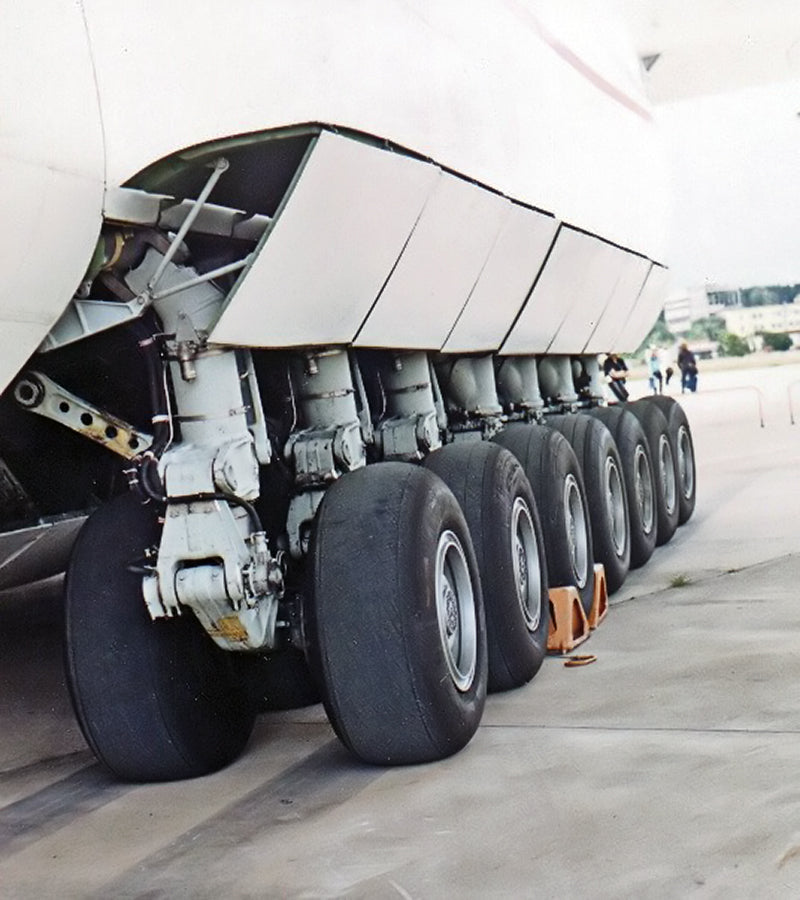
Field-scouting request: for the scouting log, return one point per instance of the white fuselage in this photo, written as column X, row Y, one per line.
column 539, row 101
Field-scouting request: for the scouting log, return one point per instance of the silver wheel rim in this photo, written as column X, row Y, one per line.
column 455, row 610
column 576, row 532
column 615, row 503
column 666, row 471
column 643, row 483
column 685, row 462
column 526, row 564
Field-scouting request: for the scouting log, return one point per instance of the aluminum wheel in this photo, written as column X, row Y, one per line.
column 685, row 461
column 615, row 500
column 666, row 472
column 576, row 532
column 527, row 568
column 643, row 479
column 455, row 610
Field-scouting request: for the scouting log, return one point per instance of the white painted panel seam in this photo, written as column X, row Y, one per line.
column 438, row 268
column 478, row 277
column 331, row 249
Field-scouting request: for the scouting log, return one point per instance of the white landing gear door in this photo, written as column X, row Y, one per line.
column 331, row 248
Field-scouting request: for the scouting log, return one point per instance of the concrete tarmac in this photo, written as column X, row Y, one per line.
column 666, row 769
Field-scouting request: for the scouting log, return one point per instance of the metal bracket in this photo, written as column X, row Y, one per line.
column 410, row 438
column 232, row 584
column 83, row 318
column 251, row 395
column 321, row 455
column 40, row 394
column 302, row 510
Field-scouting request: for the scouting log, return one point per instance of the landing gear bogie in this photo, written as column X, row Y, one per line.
column 605, row 490
column 664, row 455
column 638, row 472
column 684, row 446
column 156, row 701
column 555, row 475
column 499, row 506
column 396, row 622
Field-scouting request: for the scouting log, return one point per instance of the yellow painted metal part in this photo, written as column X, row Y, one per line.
column 231, row 629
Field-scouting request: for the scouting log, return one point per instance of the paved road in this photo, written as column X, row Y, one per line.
column 667, row 769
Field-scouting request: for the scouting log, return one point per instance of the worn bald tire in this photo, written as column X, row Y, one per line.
column 557, row 481
column 605, row 492
column 156, row 701
column 498, row 503
column 682, row 435
column 280, row 680
column 664, row 455
column 637, row 471
column 396, row 621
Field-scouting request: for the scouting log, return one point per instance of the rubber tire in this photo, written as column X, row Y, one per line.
column 549, row 461
column 281, row 681
column 638, row 472
column 488, row 482
column 373, row 624
column 155, row 700
column 596, row 451
column 687, row 469
column 665, row 466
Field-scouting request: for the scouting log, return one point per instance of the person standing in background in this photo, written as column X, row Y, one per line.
column 688, row 366
column 655, row 378
column 616, row 372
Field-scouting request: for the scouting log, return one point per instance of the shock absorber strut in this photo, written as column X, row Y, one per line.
column 213, row 555
column 329, row 441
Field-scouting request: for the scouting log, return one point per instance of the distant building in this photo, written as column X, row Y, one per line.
column 681, row 310
column 723, row 298
column 748, row 322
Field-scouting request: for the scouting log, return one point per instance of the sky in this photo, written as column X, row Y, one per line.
column 735, row 166
column 726, row 91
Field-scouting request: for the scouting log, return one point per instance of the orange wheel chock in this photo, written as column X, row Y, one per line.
column 599, row 609
column 568, row 623
column 580, row 659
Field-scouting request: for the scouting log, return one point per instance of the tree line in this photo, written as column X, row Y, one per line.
column 767, row 296
column 712, row 328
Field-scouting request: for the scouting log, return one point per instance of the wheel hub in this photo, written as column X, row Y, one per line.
column 667, row 474
column 525, row 559
column 455, row 610
column 576, row 532
column 451, row 608
column 644, row 490
column 685, row 462
column 615, row 504
column 522, row 564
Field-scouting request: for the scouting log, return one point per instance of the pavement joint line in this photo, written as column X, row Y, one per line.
column 655, row 729
column 739, row 570
column 48, row 762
